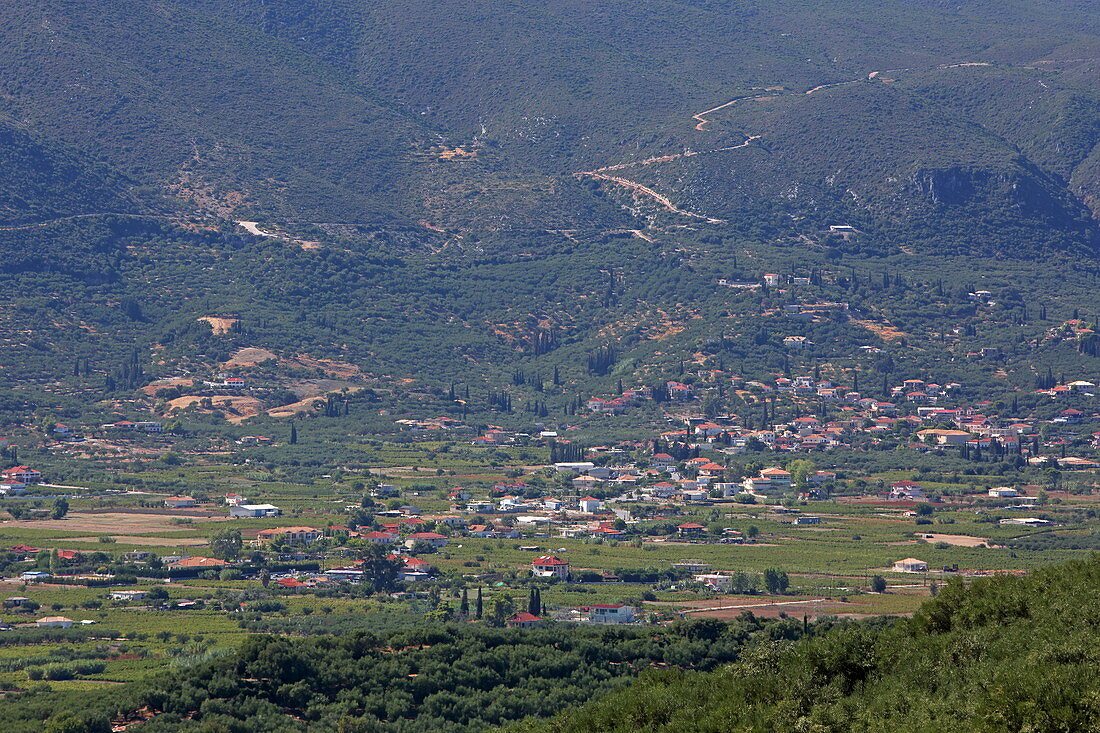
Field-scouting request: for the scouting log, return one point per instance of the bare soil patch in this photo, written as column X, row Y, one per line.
column 249, row 356
column 458, row 153
column 141, row 540
column 151, row 389
column 884, row 331
column 731, row 607
column 237, row 408
column 331, row 368
column 311, row 391
column 220, row 325
column 959, row 540
column 108, row 523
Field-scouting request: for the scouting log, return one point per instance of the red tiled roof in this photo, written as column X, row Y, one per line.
column 525, row 617
column 199, row 562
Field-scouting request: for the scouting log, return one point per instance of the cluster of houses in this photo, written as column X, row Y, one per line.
column 1079, row 386
column 912, row 406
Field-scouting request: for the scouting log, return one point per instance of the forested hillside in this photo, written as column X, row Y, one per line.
column 477, row 119
column 1006, row 654
column 437, row 678
column 41, row 182
column 457, row 193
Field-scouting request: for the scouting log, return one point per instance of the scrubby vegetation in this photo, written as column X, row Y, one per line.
column 1007, row 653
column 433, row 679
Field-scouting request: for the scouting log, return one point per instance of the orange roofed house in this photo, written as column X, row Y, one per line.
column 179, row 502
column 524, row 620
column 197, row 563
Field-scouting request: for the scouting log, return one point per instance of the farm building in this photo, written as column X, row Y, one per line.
column 911, row 565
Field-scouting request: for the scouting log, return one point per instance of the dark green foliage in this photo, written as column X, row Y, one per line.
column 1007, row 653
column 461, row 678
column 226, row 544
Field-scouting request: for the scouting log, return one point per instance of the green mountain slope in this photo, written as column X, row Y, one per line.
column 234, row 121
column 475, row 118
column 41, row 181
column 881, row 157
column 471, row 178
column 1006, row 654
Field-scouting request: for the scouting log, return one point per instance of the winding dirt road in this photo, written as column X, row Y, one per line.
column 702, row 120
column 647, row 191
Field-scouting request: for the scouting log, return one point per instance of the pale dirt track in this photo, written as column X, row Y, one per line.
column 110, row 523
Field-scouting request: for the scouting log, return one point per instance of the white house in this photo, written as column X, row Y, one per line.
column 797, row 342
column 695, row 495
column 589, row 505
column 575, row 467
column 603, row 613
column 586, row 483
column 906, row 491
column 728, row 490
column 54, row 622
column 346, row 575
column 911, row 565
column 769, row 478
column 431, row 538
column 1004, row 492
column 662, row 461
column 128, row 595
column 412, row 576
